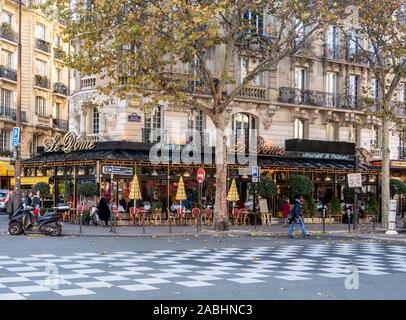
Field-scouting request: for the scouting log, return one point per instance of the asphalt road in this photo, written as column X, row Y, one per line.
column 181, row 268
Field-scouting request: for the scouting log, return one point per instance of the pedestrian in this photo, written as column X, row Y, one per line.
column 36, row 203
column 286, row 207
column 295, row 217
column 9, row 203
column 28, row 200
column 104, row 211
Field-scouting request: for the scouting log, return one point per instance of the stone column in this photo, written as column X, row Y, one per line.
column 82, row 128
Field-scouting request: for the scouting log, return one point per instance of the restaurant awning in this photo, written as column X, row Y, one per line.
column 31, row 180
column 6, row 169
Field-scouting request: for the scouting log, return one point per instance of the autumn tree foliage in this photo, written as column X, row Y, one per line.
column 156, row 49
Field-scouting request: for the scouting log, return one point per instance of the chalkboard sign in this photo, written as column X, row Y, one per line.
column 134, row 117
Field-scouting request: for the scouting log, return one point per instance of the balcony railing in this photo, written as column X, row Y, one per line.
column 255, row 93
column 344, row 53
column 153, row 135
column 60, row 124
column 42, row 45
column 376, row 153
column 58, row 53
column 41, row 81
column 10, row 113
column 318, row 98
column 402, row 153
column 8, row 34
column 60, row 88
column 8, row 73
column 87, row 83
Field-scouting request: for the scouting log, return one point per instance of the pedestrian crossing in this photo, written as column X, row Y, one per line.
column 81, row 274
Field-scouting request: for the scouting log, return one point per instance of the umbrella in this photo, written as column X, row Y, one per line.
column 181, row 193
column 233, row 194
column 135, row 189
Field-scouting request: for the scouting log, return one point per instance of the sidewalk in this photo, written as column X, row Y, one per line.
column 366, row 231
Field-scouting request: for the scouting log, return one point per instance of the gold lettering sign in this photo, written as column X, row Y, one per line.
column 262, row 148
column 70, row 142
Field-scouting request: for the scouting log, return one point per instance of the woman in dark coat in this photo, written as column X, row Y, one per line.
column 103, row 211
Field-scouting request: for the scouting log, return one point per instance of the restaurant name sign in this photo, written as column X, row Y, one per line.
column 240, row 146
column 70, row 142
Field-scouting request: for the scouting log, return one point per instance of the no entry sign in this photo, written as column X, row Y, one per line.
column 201, row 175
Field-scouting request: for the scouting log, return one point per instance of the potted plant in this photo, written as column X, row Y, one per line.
column 87, row 190
column 335, row 208
column 309, row 207
column 6, row 27
column 85, row 216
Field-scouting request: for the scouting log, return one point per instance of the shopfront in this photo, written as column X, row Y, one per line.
column 67, row 169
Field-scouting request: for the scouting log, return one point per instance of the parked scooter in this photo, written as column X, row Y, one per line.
column 48, row 223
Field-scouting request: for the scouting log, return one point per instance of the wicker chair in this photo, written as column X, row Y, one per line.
column 236, row 216
column 195, row 216
column 208, row 216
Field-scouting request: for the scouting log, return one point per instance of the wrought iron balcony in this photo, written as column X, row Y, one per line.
column 42, row 45
column 8, row 34
column 10, row 113
column 318, row 98
column 58, row 53
column 41, row 81
column 345, row 53
column 60, row 88
column 60, row 124
column 8, row 73
column 150, row 135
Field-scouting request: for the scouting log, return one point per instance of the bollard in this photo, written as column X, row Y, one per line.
column 80, row 223
column 349, row 220
column 114, row 224
column 143, row 222
column 111, row 221
column 255, row 220
column 324, row 219
column 170, row 222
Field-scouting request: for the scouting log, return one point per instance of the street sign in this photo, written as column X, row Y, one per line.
column 354, row 180
column 200, row 175
column 16, row 136
column 255, row 173
column 124, row 171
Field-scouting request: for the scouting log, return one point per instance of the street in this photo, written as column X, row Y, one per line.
column 200, row 267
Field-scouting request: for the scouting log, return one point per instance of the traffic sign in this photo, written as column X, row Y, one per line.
column 200, row 175
column 354, row 180
column 16, row 136
column 255, row 173
column 124, row 171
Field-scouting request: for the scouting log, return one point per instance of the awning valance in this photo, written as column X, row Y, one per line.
column 6, row 169
column 31, row 180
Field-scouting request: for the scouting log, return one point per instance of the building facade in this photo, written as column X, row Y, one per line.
column 44, row 81
column 310, row 103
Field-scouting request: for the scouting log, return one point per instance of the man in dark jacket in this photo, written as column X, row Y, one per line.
column 296, row 218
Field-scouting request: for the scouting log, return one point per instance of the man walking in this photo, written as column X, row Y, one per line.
column 295, row 217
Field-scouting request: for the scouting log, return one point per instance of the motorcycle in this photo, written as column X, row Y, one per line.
column 48, row 223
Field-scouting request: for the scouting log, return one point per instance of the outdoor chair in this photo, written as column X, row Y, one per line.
column 133, row 214
column 208, row 216
column 236, row 216
column 244, row 216
column 181, row 215
column 120, row 216
column 157, row 215
column 195, row 216
column 170, row 218
column 141, row 212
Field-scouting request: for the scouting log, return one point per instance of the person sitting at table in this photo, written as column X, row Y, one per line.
column 122, row 203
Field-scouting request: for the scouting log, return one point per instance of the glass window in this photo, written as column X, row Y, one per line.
column 300, row 78
column 7, row 59
column 40, row 106
column 195, row 123
column 41, row 67
column 5, row 140
column 255, row 21
column 40, row 32
column 7, row 17
column 34, row 145
column 374, row 88
column 6, row 98
column 96, row 119
column 247, row 65
column 153, row 124
column 58, row 75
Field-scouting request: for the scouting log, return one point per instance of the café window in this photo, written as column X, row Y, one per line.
column 245, row 128
column 96, row 121
column 40, row 106
column 301, row 129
